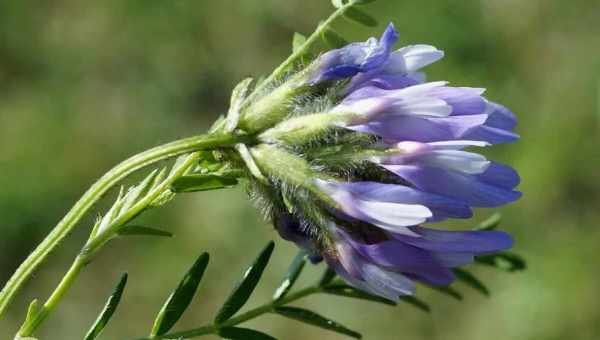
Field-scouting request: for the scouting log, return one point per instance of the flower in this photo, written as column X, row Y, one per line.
column 354, row 181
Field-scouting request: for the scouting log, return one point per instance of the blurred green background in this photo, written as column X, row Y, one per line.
column 85, row 84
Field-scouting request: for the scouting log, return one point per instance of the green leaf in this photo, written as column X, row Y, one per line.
column 32, row 311
column 360, row 17
column 291, row 276
column 347, row 291
column 415, row 302
column 138, row 230
column 108, row 311
column 328, row 276
column 297, row 41
column 509, row 262
column 237, row 98
column 490, row 223
column 245, row 287
column 238, row 333
column 471, row 281
column 337, row 3
column 202, row 182
column 315, row 319
column 448, row 291
column 333, row 39
column 181, row 297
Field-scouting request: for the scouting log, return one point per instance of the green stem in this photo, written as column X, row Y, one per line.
column 251, row 314
column 298, row 53
column 122, row 170
column 95, row 243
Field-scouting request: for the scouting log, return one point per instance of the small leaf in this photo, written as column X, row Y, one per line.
column 202, row 182
column 490, row 223
column 509, row 262
column 327, row 277
column 333, row 39
column 245, row 287
column 337, row 3
column 298, row 41
column 347, row 291
column 471, row 281
column 315, row 319
column 108, row 311
column 448, row 291
column 237, row 98
column 238, row 333
column 138, row 230
column 360, row 17
column 181, row 297
column 32, row 311
column 415, row 302
column 291, row 276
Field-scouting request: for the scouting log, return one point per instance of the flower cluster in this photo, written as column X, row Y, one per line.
column 352, row 179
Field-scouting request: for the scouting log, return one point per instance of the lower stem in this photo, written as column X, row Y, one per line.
column 96, row 191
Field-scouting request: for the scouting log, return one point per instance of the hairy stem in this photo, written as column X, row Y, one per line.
column 251, row 314
column 122, row 170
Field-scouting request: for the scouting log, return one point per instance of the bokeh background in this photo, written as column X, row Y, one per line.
column 85, row 84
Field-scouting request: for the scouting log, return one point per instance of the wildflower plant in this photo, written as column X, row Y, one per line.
column 349, row 151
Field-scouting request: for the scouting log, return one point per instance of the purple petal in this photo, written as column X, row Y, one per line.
column 500, row 117
column 441, row 207
column 474, row 242
column 421, row 129
column 407, row 259
column 456, row 185
column 491, row 135
column 464, row 100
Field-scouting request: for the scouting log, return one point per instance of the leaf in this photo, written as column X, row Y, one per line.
column 238, row 333
column 347, row 291
column 312, row 318
column 245, row 287
column 337, row 3
column 138, row 230
column 181, row 297
column 333, row 39
column 415, row 302
column 32, row 311
column 237, row 98
column 297, row 41
column 471, row 281
column 327, row 277
column 360, row 17
column 108, row 311
column 490, row 223
column 448, row 291
column 291, row 276
column 509, row 262
column 202, row 182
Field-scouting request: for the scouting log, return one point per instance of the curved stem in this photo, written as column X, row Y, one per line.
column 96, row 242
column 95, row 192
column 251, row 314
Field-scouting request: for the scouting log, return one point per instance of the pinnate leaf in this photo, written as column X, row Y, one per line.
column 109, row 309
column 245, row 287
column 181, row 297
column 312, row 318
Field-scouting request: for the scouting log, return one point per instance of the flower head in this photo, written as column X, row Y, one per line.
column 353, row 176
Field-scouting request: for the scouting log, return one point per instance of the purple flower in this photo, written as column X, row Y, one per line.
column 365, row 217
column 373, row 63
column 443, row 168
column 388, row 265
column 428, row 112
